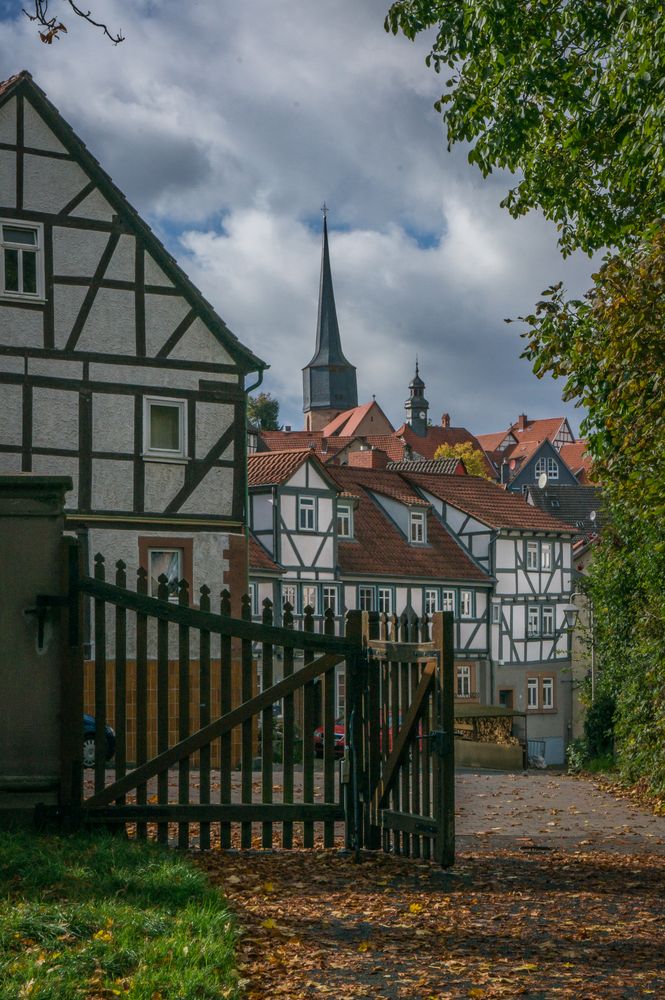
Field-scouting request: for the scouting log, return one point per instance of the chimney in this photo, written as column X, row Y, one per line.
column 445, row 421
column 368, row 458
column 287, row 428
column 521, row 422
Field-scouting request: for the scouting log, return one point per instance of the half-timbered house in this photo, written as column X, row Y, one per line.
column 113, row 367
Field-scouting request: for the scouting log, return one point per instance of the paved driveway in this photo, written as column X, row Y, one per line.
column 551, row 809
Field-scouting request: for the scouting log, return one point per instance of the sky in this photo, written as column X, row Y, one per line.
column 227, row 125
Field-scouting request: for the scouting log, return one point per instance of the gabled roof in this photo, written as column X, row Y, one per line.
column 22, row 83
column 578, row 460
column 346, row 424
column 572, row 504
column 491, row 442
column 323, row 448
column 547, row 427
column 435, row 467
column 489, row 503
column 270, row 468
column 380, row 549
column 260, row 560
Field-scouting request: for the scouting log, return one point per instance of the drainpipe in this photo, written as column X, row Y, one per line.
column 248, row 389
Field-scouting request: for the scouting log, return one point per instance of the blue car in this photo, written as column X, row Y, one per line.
column 89, row 730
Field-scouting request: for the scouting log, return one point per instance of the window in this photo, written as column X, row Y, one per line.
column 289, row 596
column 533, row 620
column 540, row 693
column 532, row 692
column 164, row 428
column 506, row 697
column 431, row 601
column 366, row 598
column 532, row 555
column 417, row 526
column 448, row 600
column 306, row 513
column 309, row 598
column 21, row 262
column 548, row 692
column 496, row 614
column 344, row 522
column 464, row 682
column 171, row 557
column 548, row 465
column 341, row 693
column 466, row 603
column 548, row 621
column 330, row 599
column 254, row 598
column 385, row 600
column 546, row 555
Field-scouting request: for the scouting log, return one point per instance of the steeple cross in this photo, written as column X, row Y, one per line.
column 325, row 210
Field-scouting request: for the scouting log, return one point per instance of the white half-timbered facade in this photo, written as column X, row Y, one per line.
column 113, row 367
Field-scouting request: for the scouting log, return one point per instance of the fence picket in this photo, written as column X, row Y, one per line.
column 183, row 711
column 329, row 745
column 100, row 681
column 204, row 717
column 162, row 704
column 141, row 696
column 267, row 727
column 307, row 732
column 289, row 733
column 247, row 726
column 120, row 708
column 226, row 741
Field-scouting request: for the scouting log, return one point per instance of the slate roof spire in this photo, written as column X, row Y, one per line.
column 329, row 380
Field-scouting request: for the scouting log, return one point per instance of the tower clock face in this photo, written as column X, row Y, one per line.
column 421, row 414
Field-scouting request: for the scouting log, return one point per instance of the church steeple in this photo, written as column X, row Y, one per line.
column 416, row 405
column 329, row 380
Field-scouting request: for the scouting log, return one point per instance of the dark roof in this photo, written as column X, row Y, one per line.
column 436, row 467
column 487, row 501
column 260, row 560
column 572, row 504
column 23, row 83
column 380, row 549
column 329, row 380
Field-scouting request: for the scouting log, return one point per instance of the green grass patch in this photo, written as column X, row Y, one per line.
column 100, row 917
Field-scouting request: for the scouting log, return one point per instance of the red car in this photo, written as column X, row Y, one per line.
column 339, row 739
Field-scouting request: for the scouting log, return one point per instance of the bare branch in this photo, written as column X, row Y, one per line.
column 54, row 28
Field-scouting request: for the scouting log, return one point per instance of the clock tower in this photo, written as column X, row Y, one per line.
column 417, row 406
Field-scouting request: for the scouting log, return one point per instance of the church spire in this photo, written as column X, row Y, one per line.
column 416, row 405
column 329, row 380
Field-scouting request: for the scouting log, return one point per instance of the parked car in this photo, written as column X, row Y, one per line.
column 89, row 732
column 339, row 739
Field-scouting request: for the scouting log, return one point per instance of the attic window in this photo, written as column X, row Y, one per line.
column 21, row 262
column 417, row 527
column 164, row 429
column 555, row 504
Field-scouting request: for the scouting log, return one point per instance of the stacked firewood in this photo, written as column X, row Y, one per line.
column 487, row 730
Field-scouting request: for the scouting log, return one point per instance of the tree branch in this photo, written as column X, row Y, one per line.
column 54, row 28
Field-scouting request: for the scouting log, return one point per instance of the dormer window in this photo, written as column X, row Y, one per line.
column 548, row 465
column 344, row 521
column 21, row 262
column 417, row 527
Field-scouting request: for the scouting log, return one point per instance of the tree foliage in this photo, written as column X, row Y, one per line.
column 263, row 412
column 565, row 93
column 473, row 459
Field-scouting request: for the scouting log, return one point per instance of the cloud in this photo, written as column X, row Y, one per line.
column 228, row 124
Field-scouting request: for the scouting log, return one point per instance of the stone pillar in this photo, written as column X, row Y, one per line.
column 31, row 562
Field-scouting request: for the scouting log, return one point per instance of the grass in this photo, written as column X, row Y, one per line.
column 97, row 917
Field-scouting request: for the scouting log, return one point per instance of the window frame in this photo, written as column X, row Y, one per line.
column 532, row 548
column 345, row 512
column 472, row 602
column 547, row 684
column 159, row 543
column 463, row 673
column 294, row 603
column 179, row 455
column 437, row 600
column 496, row 614
column 532, row 685
column 389, row 591
column 417, row 526
column 314, row 589
column 334, row 592
column 368, row 590
column 39, row 295
column 544, row 687
column 445, row 594
column 306, row 505
column 532, row 627
column 254, row 598
column 546, row 563
column 547, row 612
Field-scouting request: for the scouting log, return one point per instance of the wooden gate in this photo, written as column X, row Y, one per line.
column 405, row 732
column 199, row 757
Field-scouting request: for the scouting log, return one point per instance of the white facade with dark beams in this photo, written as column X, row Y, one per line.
column 113, row 367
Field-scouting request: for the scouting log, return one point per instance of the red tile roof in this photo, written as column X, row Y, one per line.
column 437, row 436
column 269, row 468
column 6, row 85
column 578, row 461
column 491, row 504
column 491, row 442
column 537, row 429
column 260, row 559
column 324, row 448
column 380, row 549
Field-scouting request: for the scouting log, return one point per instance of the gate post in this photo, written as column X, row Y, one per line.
column 443, row 635
column 354, row 735
column 31, row 643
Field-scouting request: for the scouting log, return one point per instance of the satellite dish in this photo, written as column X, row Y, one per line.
column 592, row 516
column 542, row 480
column 513, row 463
